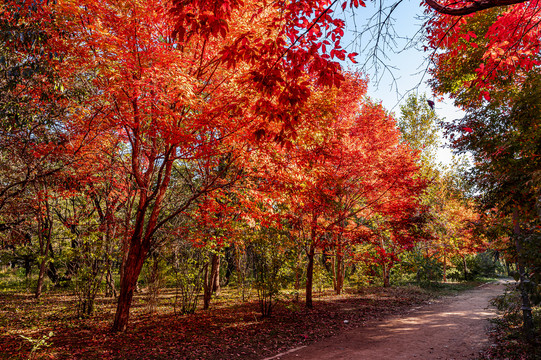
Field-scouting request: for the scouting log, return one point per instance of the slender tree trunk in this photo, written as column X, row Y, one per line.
column 444, row 268
column 216, row 274
column 338, row 270
column 230, row 260
column 334, row 275
column 211, row 276
column 310, row 276
column 110, row 282
column 45, row 231
column 41, row 275
column 465, row 267
column 507, row 268
column 124, row 254
column 27, row 266
column 207, row 293
column 110, row 288
column 526, row 304
column 52, row 273
column 386, row 268
column 386, row 275
column 72, row 265
column 240, row 263
column 298, row 272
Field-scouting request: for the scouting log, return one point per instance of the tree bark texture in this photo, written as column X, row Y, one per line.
column 216, row 274
column 465, row 265
column 386, row 275
column 472, row 7
column 211, row 277
column 310, row 276
column 338, row 270
column 45, row 225
column 134, row 264
column 527, row 319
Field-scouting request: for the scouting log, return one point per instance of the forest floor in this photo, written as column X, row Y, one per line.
column 233, row 329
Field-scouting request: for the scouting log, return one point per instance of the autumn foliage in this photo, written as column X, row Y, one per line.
column 484, row 52
column 188, row 134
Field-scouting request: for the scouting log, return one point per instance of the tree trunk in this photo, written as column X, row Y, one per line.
column 444, row 268
column 73, row 266
column 310, row 276
column 52, row 273
column 216, row 274
column 240, row 263
column 386, row 275
column 27, row 266
column 207, row 293
column 298, row 272
column 45, row 230
column 132, row 269
column 41, row 275
column 527, row 319
column 125, row 247
column 110, row 290
column 338, row 270
column 334, row 275
column 230, row 260
column 211, row 276
column 465, row 268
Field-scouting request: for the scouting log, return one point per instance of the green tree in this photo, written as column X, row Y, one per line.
column 504, row 139
column 419, row 125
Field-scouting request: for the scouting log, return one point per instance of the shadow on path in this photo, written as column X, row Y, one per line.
column 452, row 329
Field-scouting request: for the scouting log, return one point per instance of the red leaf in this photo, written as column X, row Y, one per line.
column 351, row 57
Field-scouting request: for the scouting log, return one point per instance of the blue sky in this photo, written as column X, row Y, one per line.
column 406, row 70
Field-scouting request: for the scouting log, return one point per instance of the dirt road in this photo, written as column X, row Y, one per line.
column 454, row 328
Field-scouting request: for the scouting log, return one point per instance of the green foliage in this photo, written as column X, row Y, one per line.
column 153, row 274
column 453, row 75
column 90, row 257
column 508, row 303
column 38, row 343
column 419, row 126
column 241, row 276
column 269, row 278
column 508, row 337
column 485, row 265
column 187, row 269
column 531, row 243
column 11, row 279
column 505, row 146
column 360, row 277
column 426, row 269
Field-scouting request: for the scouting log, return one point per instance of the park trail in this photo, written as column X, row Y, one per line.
column 453, row 328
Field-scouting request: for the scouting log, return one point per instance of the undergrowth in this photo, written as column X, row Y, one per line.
column 508, row 341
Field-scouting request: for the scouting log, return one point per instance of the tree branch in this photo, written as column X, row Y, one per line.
column 470, row 8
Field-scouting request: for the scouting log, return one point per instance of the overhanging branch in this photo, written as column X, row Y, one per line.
column 471, row 7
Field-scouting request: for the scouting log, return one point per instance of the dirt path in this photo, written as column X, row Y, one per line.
column 454, row 328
